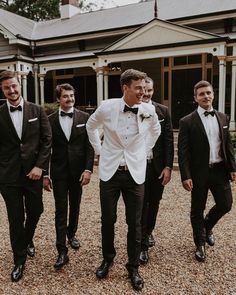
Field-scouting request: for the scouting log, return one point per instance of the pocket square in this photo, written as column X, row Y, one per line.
column 32, row 120
column 161, row 120
column 225, row 127
column 80, row 125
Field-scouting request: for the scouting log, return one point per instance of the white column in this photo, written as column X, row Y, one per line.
column 41, row 77
column 106, row 83
column 222, row 78
column 99, row 86
column 36, row 84
column 24, row 84
column 233, row 91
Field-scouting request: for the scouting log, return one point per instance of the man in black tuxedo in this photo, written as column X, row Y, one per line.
column 158, row 173
column 70, row 168
column 206, row 161
column 25, row 142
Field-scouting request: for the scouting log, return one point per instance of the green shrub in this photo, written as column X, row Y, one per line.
column 233, row 138
column 51, row 107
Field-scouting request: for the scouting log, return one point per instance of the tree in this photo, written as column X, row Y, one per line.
column 41, row 9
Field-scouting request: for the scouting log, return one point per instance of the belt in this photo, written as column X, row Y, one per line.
column 123, row 168
column 215, row 165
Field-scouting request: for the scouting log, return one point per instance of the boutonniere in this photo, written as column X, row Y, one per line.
column 145, row 116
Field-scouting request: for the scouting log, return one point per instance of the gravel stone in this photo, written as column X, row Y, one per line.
column 172, row 269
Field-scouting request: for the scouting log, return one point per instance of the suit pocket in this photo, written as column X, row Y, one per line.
column 32, row 120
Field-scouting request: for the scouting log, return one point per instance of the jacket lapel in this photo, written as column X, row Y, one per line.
column 75, row 122
column 220, row 126
column 26, row 117
column 9, row 121
column 57, row 127
column 115, row 113
column 198, row 122
column 114, row 117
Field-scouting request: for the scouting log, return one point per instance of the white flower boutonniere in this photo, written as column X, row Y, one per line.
column 145, row 116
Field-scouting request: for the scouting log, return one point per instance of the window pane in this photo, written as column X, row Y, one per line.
column 194, row 59
column 166, row 80
column 180, row 60
column 166, row 62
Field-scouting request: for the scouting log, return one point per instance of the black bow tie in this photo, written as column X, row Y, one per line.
column 63, row 114
column 206, row 113
column 128, row 109
column 13, row 109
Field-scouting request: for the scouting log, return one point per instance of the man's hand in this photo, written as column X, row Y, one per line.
column 85, row 178
column 233, row 176
column 35, row 173
column 166, row 175
column 188, row 184
column 47, row 184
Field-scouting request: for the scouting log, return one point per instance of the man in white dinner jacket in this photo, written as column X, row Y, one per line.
column 122, row 165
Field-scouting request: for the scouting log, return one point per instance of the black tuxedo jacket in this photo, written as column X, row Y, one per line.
column 70, row 158
column 194, row 150
column 33, row 149
column 163, row 151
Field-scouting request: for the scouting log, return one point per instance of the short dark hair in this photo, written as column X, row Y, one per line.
column 129, row 75
column 149, row 80
column 5, row 75
column 201, row 84
column 65, row 86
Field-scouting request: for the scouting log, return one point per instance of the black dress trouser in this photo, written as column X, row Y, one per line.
column 152, row 197
column 65, row 190
column 122, row 183
column 218, row 183
column 24, row 206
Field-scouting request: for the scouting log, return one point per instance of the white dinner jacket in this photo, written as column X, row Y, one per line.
column 113, row 148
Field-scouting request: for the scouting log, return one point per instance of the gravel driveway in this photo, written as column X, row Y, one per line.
column 172, row 268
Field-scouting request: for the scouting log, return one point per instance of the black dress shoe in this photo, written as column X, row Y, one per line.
column 136, row 280
column 210, row 239
column 200, row 253
column 103, row 269
column 17, row 273
column 151, row 241
column 144, row 257
column 31, row 249
column 75, row 244
column 61, row 260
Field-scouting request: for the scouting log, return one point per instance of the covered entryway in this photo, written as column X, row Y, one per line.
column 183, row 102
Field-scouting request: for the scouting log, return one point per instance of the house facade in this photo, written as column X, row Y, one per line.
column 177, row 43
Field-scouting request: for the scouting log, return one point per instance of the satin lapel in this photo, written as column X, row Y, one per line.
column 116, row 108
column 114, row 117
column 198, row 121
column 220, row 126
column 9, row 121
column 57, row 127
column 26, row 117
column 75, row 120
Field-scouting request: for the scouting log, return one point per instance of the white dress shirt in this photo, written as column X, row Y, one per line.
column 211, row 126
column 127, row 127
column 66, row 122
column 17, row 117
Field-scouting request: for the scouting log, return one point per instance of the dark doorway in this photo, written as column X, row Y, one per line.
column 183, row 102
column 114, row 89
